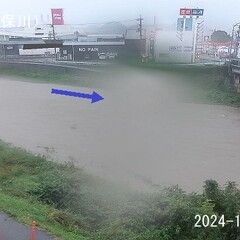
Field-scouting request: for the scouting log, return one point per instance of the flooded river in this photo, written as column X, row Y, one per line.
column 143, row 134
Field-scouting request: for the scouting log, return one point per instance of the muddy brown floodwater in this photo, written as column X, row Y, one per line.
column 142, row 134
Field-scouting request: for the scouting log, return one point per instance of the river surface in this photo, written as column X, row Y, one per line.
column 143, row 134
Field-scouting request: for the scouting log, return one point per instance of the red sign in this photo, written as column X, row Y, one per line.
column 185, row 11
column 57, row 16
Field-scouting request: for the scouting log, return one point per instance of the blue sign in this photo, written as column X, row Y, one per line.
column 188, row 24
column 197, row 12
column 180, row 23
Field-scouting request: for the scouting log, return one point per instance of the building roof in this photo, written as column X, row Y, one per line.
column 93, row 43
column 132, row 34
column 219, row 44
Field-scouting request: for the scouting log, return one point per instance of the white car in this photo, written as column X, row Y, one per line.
column 102, row 56
column 111, row 56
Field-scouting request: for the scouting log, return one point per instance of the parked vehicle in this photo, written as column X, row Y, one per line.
column 102, row 56
column 111, row 55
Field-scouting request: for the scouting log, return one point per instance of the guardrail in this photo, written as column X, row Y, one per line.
column 52, row 63
column 234, row 74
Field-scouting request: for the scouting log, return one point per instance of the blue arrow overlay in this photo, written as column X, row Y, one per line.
column 95, row 97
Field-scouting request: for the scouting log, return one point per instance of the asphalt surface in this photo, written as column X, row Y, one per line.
column 12, row 230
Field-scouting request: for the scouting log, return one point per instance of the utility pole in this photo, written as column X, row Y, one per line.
column 140, row 19
column 54, row 37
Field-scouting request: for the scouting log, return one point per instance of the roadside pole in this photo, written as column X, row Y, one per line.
column 140, row 19
column 73, row 53
column 194, row 14
column 183, row 31
column 194, row 39
column 4, row 52
column 189, row 18
column 54, row 38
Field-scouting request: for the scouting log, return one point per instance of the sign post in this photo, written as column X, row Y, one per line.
column 57, row 16
column 190, row 18
column 57, row 19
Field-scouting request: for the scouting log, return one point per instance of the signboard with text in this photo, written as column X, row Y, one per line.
column 180, row 23
column 57, row 16
column 197, row 12
column 184, row 24
column 185, row 11
column 188, row 24
column 191, row 12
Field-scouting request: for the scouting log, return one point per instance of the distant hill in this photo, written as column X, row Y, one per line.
column 112, row 28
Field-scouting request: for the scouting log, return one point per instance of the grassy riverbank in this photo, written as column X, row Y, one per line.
column 205, row 83
column 52, row 75
column 72, row 204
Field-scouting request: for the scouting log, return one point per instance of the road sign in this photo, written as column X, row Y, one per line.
column 197, row 12
column 185, row 11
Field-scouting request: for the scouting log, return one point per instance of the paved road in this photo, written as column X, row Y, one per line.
column 12, row 230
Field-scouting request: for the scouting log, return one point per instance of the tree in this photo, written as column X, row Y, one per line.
column 213, row 192
column 220, row 36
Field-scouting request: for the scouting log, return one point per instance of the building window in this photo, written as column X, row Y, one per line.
column 64, row 51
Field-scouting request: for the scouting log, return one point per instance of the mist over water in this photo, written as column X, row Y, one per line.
column 143, row 134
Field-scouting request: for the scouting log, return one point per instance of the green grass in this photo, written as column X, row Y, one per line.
column 205, row 84
column 63, row 199
column 19, row 175
column 26, row 211
column 52, row 75
column 72, row 204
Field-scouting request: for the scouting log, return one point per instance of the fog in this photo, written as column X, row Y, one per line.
column 81, row 12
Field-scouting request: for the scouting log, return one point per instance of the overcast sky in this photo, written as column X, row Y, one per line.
column 219, row 14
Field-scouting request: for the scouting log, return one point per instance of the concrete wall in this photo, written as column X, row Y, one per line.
column 89, row 52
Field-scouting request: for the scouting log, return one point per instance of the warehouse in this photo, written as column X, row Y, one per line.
column 14, row 47
column 97, row 48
